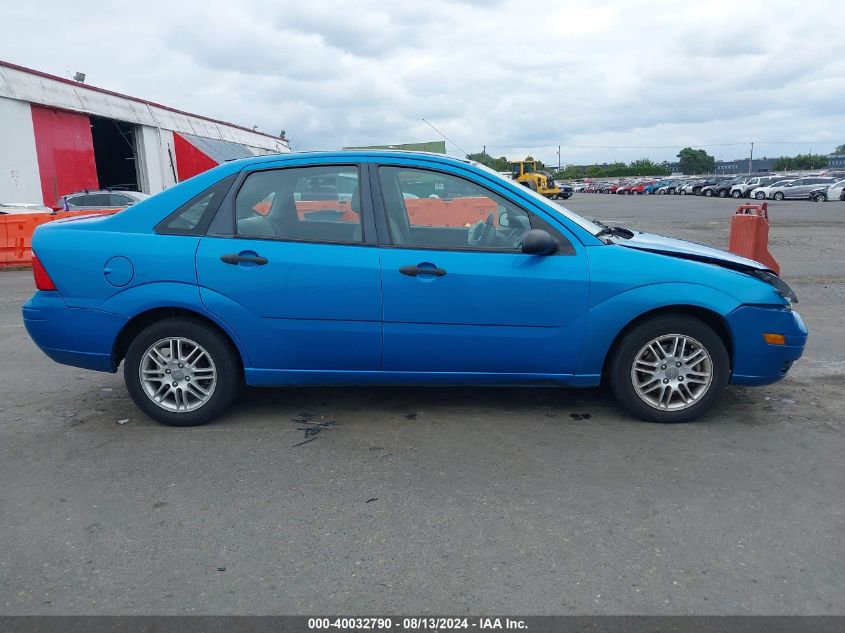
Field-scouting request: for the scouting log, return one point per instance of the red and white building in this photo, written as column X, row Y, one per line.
column 59, row 136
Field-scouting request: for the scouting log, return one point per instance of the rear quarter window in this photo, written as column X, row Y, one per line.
column 193, row 217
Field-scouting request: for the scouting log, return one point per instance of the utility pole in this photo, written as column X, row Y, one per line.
column 751, row 159
column 484, row 151
column 558, row 158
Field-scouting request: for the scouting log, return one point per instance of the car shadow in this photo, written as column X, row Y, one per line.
column 442, row 401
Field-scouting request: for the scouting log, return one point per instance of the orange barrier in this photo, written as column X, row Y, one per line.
column 455, row 212
column 458, row 212
column 16, row 233
column 749, row 235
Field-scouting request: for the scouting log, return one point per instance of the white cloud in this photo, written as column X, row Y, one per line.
column 512, row 76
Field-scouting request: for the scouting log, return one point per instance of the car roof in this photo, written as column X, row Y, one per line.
column 128, row 192
column 347, row 153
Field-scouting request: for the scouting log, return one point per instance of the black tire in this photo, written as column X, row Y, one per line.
column 759, row 195
column 778, row 195
column 723, row 193
column 683, row 192
column 820, row 197
column 218, row 347
column 627, row 348
column 736, row 194
column 672, row 191
column 708, row 193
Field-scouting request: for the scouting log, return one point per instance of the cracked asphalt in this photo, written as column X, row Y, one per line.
column 439, row 501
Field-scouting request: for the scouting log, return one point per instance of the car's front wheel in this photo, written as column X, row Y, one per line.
column 669, row 368
column 820, row 197
column 736, row 193
column 182, row 372
column 760, row 195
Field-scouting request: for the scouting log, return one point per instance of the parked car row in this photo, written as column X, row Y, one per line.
column 770, row 187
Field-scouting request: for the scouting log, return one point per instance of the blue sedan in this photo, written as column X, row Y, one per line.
column 396, row 268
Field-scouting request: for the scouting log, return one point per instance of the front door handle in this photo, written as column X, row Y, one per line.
column 413, row 271
column 235, row 258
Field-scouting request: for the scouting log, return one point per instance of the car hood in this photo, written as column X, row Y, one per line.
column 687, row 250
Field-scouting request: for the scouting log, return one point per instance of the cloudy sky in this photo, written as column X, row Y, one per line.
column 607, row 81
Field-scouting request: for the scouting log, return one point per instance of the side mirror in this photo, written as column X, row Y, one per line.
column 538, row 242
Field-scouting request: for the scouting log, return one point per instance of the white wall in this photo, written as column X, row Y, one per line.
column 19, row 180
column 155, row 170
column 76, row 97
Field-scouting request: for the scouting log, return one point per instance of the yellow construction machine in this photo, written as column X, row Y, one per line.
column 525, row 172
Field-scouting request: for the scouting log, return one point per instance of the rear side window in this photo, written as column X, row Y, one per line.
column 78, row 201
column 99, row 200
column 120, row 200
column 311, row 204
column 193, row 217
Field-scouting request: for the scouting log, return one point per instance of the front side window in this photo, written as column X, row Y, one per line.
column 316, row 204
column 431, row 209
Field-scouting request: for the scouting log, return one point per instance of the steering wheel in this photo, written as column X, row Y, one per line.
column 480, row 232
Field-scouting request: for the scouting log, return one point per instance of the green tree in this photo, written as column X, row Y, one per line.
column 540, row 165
column 696, row 161
column 499, row 164
column 840, row 149
column 573, row 172
column 646, row 167
column 801, row 161
column 594, row 171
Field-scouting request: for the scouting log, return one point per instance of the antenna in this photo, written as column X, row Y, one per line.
column 444, row 136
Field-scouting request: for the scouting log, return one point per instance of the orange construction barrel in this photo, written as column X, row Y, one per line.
column 749, row 236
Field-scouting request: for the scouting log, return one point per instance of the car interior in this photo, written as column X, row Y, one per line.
column 504, row 229
column 311, row 204
column 270, row 204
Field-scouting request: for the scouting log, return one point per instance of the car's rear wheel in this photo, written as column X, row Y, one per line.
column 723, row 193
column 182, row 372
column 683, row 192
column 820, row 197
column 760, row 195
column 778, row 195
column 736, row 193
column 669, row 368
column 708, row 193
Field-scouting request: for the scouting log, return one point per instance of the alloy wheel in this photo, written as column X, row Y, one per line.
column 672, row 372
column 177, row 374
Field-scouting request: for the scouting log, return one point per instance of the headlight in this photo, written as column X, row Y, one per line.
column 780, row 286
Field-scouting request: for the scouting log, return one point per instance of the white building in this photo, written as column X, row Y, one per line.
column 59, row 136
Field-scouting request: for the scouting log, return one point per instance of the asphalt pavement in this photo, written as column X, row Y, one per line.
column 438, row 501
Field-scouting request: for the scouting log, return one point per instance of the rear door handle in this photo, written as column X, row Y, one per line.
column 413, row 271
column 234, row 258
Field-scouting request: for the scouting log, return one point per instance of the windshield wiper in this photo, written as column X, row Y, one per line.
column 616, row 231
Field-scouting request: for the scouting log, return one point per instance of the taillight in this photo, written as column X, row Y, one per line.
column 42, row 279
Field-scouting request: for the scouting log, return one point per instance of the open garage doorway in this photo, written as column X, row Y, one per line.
column 114, row 153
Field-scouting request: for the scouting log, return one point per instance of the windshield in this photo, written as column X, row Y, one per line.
column 585, row 224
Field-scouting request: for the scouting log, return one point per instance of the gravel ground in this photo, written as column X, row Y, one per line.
column 449, row 501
